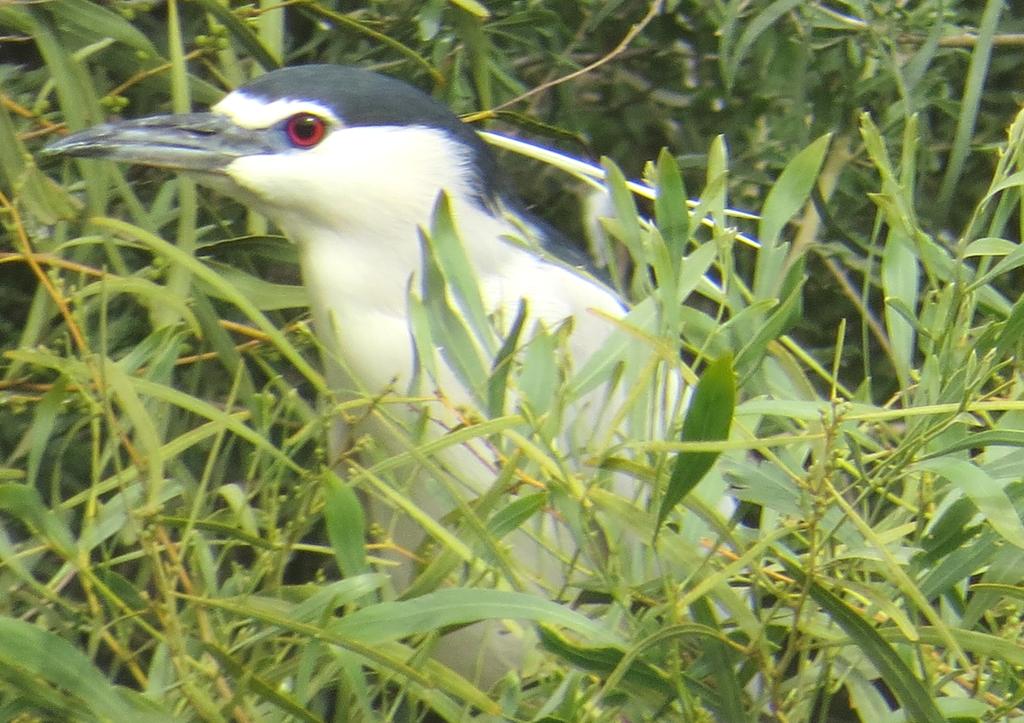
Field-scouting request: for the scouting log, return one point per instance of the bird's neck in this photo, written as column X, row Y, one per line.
column 359, row 278
column 371, row 259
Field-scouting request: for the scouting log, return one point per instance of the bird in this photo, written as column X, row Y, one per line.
column 350, row 165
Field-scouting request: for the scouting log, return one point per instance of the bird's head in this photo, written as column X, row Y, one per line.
column 316, row 144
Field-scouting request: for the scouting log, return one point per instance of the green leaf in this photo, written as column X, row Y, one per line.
column 1014, row 259
column 603, row 660
column 980, row 440
column 96, row 21
column 757, row 26
column 724, row 665
column 201, row 271
column 708, row 418
column 39, row 653
column 450, row 254
column 975, row 79
column 242, row 33
column 714, row 197
column 791, row 190
column 1012, row 331
column 153, row 296
column 276, row 695
column 38, row 436
column 600, row 367
column 538, row 378
column 626, row 224
column 24, row 503
column 787, row 196
column 44, row 199
column 912, row 694
column 332, row 595
column 986, row 493
column 782, row 317
column 670, row 208
column 449, row 329
column 146, row 435
column 265, row 295
column 345, row 525
column 443, row 608
column 515, row 513
column 497, row 384
column 901, row 277
column 989, row 246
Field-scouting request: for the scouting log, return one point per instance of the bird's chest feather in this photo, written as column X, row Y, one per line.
column 360, row 284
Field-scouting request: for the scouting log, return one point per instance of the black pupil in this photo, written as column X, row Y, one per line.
column 305, row 127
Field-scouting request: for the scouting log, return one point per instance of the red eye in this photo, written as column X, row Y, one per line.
column 305, row 130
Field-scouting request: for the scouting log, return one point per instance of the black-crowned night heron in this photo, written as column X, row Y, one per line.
column 350, row 164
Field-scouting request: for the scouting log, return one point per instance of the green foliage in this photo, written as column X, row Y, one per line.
column 708, row 419
column 177, row 543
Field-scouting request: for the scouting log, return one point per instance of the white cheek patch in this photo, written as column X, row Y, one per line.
column 360, row 175
column 248, row 111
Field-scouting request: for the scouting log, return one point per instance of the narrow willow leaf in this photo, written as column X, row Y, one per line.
column 1011, row 261
column 787, row 196
column 152, row 296
column 626, row 222
column 693, row 269
column 603, row 660
column 41, row 654
column 750, row 355
column 974, row 82
column 990, row 246
column 96, row 21
column 708, row 418
column 477, row 49
column 458, row 606
column 1012, row 331
column 724, row 665
column 958, row 563
column 242, row 511
column 497, row 385
column 915, row 698
column 276, row 695
column 901, row 278
column 38, row 436
column 979, row 440
column 791, row 190
column 221, row 342
column 346, row 525
column 330, row 596
column 24, row 503
column 201, row 271
column 986, row 493
column 43, row 198
column 538, row 379
column 265, row 295
column 450, row 254
column 241, row 32
column 714, row 198
column 599, row 368
column 146, row 436
column 515, row 513
column 670, row 208
column 449, row 330
column 752, row 30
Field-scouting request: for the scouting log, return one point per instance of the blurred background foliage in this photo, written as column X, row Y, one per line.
column 907, row 269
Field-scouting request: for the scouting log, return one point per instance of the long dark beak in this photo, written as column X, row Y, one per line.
column 198, row 142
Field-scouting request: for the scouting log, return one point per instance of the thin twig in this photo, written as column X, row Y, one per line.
column 636, row 29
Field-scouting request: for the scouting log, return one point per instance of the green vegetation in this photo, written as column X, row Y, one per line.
column 175, row 542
